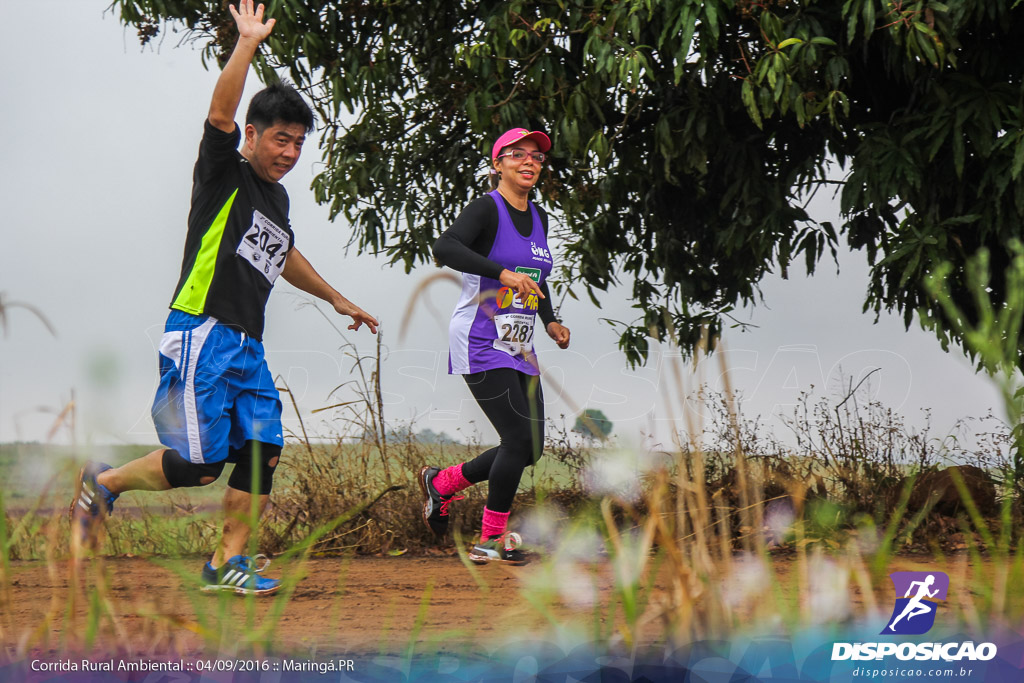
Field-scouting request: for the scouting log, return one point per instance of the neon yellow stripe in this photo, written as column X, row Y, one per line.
column 192, row 297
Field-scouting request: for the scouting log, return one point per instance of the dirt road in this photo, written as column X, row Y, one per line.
column 361, row 605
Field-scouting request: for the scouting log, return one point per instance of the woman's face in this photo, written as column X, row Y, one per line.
column 519, row 175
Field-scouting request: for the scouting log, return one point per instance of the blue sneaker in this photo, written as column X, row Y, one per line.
column 92, row 502
column 240, row 575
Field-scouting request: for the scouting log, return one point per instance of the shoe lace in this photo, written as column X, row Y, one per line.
column 510, row 540
column 449, row 499
column 250, row 563
column 264, row 563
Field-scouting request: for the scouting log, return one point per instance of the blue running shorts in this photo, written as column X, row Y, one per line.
column 215, row 391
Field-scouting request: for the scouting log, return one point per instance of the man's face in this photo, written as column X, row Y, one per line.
column 276, row 150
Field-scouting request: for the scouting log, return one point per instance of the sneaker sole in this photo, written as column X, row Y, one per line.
column 423, row 509
column 77, row 540
column 487, row 559
column 77, row 497
column 211, row 588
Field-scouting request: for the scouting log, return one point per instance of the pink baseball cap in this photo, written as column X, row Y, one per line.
column 510, row 136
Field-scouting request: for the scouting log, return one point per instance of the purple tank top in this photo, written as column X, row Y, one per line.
column 491, row 327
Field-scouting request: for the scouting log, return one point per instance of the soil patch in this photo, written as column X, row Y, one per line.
column 360, row 605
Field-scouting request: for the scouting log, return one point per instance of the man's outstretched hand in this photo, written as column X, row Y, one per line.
column 358, row 315
column 250, row 22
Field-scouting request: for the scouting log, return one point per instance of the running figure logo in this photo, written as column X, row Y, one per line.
column 914, row 613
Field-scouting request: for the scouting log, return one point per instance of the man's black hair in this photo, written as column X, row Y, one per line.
column 278, row 102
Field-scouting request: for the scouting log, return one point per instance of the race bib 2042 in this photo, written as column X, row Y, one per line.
column 264, row 246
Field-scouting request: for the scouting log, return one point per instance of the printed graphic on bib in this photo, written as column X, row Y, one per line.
column 265, row 246
column 515, row 318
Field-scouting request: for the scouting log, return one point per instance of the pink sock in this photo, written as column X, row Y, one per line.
column 494, row 524
column 450, row 480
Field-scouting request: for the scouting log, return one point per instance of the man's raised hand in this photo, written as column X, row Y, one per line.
column 249, row 22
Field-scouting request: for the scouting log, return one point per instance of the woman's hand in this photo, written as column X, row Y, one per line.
column 521, row 283
column 560, row 333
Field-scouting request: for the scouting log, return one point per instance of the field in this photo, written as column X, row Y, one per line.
column 726, row 538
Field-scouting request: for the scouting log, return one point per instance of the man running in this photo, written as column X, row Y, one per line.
column 216, row 402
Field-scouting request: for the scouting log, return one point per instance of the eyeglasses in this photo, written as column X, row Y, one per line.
column 521, row 154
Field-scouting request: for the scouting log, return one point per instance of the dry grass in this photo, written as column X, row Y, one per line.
column 707, row 512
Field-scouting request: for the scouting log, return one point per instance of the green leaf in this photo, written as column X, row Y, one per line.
column 927, row 49
column 779, row 89
column 1018, row 157
column 790, row 41
column 851, row 21
column 711, row 14
column 689, row 28
column 958, row 152
column 664, row 136
column 772, row 26
column 747, row 91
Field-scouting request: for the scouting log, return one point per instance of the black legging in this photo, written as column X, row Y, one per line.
column 514, row 404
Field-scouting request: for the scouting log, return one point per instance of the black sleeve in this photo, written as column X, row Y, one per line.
column 216, row 150
column 544, row 306
column 465, row 245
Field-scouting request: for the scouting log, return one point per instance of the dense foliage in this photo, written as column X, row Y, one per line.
column 687, row 135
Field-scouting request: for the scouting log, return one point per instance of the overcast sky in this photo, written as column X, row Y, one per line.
column 102, row 136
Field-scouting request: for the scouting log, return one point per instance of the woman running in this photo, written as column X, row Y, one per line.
column 499, row 243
